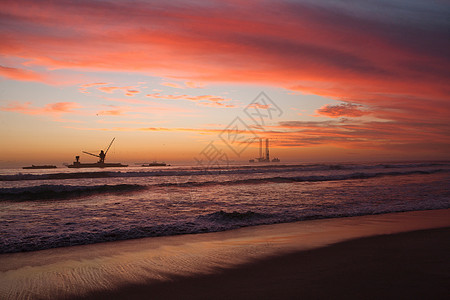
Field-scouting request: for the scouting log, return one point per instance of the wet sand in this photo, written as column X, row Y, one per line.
column 398, row 255
column 414, row 265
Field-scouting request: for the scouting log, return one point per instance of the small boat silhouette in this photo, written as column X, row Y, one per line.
column 40, row 167
column 155, row 164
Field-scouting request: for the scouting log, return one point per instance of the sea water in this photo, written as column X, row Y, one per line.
column 41, row 209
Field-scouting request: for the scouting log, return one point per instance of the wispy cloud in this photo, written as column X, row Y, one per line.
column 84, row 87
column 51, row 109
column 342, row 133
column 185, row 85
column 113, row 112
column 342, row 110
column 87, row 85
column 172, row 85
column 206, row 100
column 193, row 85
column 346, row 133
column 131, row 92
column 20, row 74
column 209, row 131
column 128, row 90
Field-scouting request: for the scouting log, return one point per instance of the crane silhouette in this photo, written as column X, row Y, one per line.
column 102, row 154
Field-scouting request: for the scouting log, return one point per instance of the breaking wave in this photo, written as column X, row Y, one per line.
column 48, row 192
column 221, row 216
column 145, row 207
column 217, row 171
column 212, row 222
column 313, row 178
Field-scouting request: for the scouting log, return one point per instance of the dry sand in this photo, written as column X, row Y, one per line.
column 396, row 255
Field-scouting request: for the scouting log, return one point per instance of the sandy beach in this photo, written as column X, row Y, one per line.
column 397, row 255
column 413, row 265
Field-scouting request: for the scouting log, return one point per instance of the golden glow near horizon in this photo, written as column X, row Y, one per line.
column 166, row 79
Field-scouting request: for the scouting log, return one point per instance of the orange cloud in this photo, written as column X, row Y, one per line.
column 52, row 109
column 87, row 85
column 193, row 85
column 115, row 112
column 187, row 84
column 131, row 92
column 172, row 85
column 127, row 90
column 259, row 106
column 342, row 110
column 217, row 104
column 111, row 89
column 84, row 87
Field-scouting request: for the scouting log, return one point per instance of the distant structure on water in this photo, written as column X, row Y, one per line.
column 155, row 164
column 101, row 162
column 261, row 158
column 33, row 167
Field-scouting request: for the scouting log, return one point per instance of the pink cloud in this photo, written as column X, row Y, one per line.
column 230, row 48
column 305, row 49
column 20, row 74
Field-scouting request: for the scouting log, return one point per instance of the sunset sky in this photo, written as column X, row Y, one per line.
column 352, row 80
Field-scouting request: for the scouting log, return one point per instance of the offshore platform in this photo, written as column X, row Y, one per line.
column 265, row 158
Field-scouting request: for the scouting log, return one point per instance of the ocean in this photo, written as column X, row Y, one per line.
column 41, row 209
